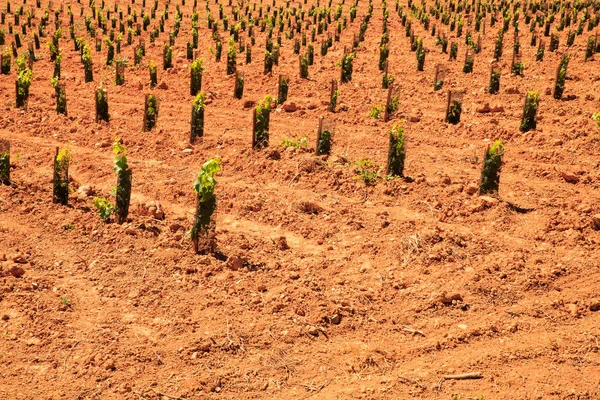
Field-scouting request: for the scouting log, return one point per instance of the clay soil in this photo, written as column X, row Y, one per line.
column 321, row 287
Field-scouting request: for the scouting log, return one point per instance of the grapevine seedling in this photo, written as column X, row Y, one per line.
column 196, row 69
column 532, row 101
column 324, row 137
column 231, row 57
column 494, row 81
column 123, row 193
column 492, row 163
column 396, row 152
column 167, row 57
column 120, row 71
column 206, row 203
column 4, row 162
column 238, row 90
column 197, row 123
column 102, row 105
column 561, row 76
column 62, row 160
column 453, row 115
column 262, row 116
column 150, row 112
column 86, row 59
column 153, row 74
column 304, row 67
column 282, row 95
column 346, row 65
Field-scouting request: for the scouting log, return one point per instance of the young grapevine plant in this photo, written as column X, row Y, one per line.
column 206, row 203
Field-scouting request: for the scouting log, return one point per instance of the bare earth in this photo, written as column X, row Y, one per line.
column 322, row 287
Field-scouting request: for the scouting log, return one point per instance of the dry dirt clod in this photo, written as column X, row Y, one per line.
column 471, row 189
column 596, row 222
column 16, row 271
column 19, row 259
column 290, row 107
column 235, row 263
column 281, row 243
column 569, row 177
column 109, row 365
column 448, row 300
column 573, row 309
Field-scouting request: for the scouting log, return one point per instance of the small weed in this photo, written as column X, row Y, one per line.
column 596, row 117
column 367, row 171
column 65, row 300
column 299, row 143
column 68, row 226
column 376, row 111
column 105, row 208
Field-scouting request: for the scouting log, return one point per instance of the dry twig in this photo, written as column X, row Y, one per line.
column 168, row 396
column 468, row 375
column 412, row 330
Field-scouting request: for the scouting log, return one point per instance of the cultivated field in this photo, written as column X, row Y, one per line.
column 323, row 276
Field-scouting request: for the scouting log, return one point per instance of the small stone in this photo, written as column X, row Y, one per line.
column 85, row 190
column 595, row 306
column 158, row 212
column 163, row 86
column 187, row 151
column 313, row 330
column 336, row 319
column 249, row 103
column 294, row 275
column 5, row 317
column 488, row 200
